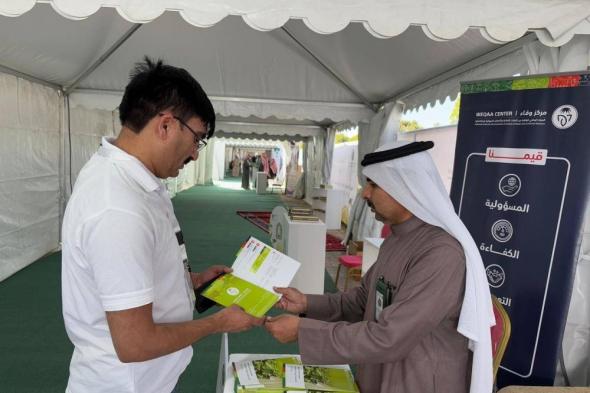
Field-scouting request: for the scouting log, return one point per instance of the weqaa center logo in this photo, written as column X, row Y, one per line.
column 564, row 116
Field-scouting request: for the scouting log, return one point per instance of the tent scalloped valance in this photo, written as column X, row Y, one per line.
column 500, row 21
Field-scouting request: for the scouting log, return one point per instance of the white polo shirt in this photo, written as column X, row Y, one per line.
column 120, row 251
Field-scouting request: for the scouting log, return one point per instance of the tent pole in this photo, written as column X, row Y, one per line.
column 483, row 59
column 364, row 100
column 102, row 58
column 62, row 160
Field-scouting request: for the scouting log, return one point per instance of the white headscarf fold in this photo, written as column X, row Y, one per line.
column 414, row 182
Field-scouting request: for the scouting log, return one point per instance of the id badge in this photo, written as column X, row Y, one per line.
column 187, row 273
column 189, row 282
column 381, row 296
column 187, row 267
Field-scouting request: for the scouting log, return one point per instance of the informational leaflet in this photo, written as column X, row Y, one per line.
column 247, row 374
column 257, row 269
column 263, row 375
column 294, row 376
column 319, row 378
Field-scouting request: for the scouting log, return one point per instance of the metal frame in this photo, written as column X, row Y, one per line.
column 30, row 78
column 102, row 58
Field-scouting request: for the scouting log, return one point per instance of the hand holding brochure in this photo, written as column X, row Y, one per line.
column 257, row 269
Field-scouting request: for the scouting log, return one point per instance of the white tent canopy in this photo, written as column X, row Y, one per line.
column 275, row 70
column 290, row 71
column 555, row 22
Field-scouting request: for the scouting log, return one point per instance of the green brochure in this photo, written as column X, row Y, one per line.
column 257, row 269
column 230, row 289
column 319, row 378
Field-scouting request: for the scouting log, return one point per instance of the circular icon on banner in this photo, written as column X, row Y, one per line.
column 564, row 116
column 502, row 231
column 509, row 185
column 496, row 275
column 232, row 291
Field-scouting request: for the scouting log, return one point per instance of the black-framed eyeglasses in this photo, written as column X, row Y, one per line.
column 199, row 142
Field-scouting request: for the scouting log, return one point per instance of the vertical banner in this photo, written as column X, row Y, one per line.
column 520, row 184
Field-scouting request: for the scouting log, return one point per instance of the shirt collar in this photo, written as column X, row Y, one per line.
column 131, row 164
column 407, row 226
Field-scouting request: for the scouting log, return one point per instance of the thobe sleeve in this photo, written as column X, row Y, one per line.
column 342, row 306
column 432, row 289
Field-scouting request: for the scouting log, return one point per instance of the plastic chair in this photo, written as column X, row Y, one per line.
column 352, row 263
column 500, row 333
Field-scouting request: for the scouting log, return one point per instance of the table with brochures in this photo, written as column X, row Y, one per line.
column 227, row 383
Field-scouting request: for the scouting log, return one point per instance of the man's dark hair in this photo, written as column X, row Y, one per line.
column 154, row 87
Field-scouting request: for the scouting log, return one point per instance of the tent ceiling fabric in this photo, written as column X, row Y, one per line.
column 232, row 60
column 501, row 21
column 261, row 71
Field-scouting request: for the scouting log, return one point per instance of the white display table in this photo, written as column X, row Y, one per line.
column 330, row 201
column 371, row 247
column 305, row 242
column 225, row 373
column 261, row 182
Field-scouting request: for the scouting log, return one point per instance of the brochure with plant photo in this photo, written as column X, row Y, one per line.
column 318, row 378
column 257, row 269
column 262, row 376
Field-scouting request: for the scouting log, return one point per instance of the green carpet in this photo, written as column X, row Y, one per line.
column 35, row 351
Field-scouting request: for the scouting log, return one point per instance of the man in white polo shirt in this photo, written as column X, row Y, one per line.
column 127, row 290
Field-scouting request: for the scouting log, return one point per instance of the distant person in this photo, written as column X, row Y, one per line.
column 420, row 321
column 264, row 162
column 272, row 168
column 235, row 168
column 127, row 289
column 253, row 170
column 246, row 173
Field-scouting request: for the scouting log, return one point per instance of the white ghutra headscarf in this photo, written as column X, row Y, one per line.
column 414, row 182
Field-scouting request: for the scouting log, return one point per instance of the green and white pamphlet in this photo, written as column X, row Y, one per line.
column 264, row 375
column 319, row 378
column 257, row 269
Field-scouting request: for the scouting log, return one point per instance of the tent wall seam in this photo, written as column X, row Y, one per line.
column 32, row 224
column 29, row 177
